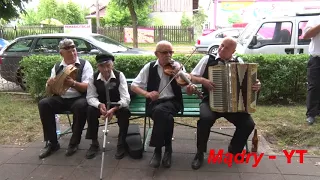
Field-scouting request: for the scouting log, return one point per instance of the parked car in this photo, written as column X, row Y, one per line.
column 86, row 44
column 213, row 40
column 3, row 43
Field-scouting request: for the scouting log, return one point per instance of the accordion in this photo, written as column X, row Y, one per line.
column 233, row 87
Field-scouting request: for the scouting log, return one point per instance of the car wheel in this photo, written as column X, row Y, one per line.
column 213, row 49
column 20, row 79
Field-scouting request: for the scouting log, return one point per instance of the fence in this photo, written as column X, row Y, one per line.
column 176, row 34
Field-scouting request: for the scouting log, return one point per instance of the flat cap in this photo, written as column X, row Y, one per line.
column 102, row 58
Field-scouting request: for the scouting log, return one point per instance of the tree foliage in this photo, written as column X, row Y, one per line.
column 185, row 20
column 116, row 17
column 69, row 13
column 199, row 18
column 11, row 9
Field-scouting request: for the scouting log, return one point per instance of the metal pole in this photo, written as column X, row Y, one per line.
column 97, row 16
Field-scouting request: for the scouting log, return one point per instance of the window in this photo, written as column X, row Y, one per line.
column 47, row 45
column 231, row 33
column 301, row 41
column 274, row 33
column 83, row 47
column 22, row 45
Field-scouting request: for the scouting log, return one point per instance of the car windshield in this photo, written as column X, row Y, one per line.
column 247, row 32
column 110, row 44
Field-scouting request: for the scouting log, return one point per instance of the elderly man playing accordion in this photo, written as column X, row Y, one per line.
column 243, row 121
column 74, row 99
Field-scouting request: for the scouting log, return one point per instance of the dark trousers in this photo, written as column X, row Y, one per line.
column 162, row 113
column 50, row 106
column 122, row 115
column 313, row 77
column 243, row 122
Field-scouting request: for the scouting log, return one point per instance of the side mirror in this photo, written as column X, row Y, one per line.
column 94, row 51
column 254, row 41
column 299, row 32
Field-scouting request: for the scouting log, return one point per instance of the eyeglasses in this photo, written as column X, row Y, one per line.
column 166, row 52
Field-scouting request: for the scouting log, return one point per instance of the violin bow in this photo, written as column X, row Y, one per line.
column 178, row 71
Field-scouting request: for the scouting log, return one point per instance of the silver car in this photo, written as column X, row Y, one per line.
column 213, row 40
column 86, row 44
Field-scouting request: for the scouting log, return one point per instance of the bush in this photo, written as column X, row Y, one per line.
column 283, row 77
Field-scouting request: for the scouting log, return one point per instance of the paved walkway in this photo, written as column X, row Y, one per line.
column 20, row 163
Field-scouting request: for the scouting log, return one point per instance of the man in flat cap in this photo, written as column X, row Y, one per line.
column 96, row 97
column 73, row 100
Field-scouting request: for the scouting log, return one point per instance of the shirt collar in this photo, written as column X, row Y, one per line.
column 100, row 77
column 156, row 64
column 64, row 64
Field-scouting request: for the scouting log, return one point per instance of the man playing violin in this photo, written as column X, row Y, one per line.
column 243, row 121
column 162, row 103
column 73, row 100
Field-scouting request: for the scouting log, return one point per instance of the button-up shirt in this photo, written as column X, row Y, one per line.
column 142, row 80
column 314, row 46
column 92, row 95
column 201, row 66
column 87, row 72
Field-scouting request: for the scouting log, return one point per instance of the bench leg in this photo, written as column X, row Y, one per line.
column 144, row 132
column 67, row 131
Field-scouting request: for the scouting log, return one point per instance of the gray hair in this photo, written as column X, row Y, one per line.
column 161, row 43
column 66, row 43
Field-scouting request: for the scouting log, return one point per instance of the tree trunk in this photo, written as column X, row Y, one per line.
column 134, row 23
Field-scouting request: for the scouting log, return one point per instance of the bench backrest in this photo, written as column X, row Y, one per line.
column 191, row 104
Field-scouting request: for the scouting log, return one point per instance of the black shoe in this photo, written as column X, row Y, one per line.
column 155, row 160
column 120, row 152
column 166, row 160
column 71, row 150
column 92, row 151
column 49, row 149
column 310, row 120
column 197, row 161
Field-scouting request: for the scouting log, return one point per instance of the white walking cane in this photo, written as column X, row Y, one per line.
column 105, row 131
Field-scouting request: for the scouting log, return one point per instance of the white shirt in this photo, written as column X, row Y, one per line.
column 201, row 66
column 314, row 46
column 142, row 80
column 87, row 72
column 92, row 95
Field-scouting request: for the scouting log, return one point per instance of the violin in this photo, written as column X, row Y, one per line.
column 174, row 69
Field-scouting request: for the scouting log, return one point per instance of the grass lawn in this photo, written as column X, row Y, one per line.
column 283, row 126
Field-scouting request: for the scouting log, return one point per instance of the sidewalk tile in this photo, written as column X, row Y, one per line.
column 16, row 171
column 143, row 163
column 90, row 173
column 181, row 161
column 132, row 174
column 298, row 177
column 264, row 166
column 306, row 168
column 175, row 175
column 27, row 156
column 256, row 176
column 218, row 175
column 7, row 153
column 51, row 172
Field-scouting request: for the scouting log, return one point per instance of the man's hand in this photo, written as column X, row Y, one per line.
column 153, row 95
column 69, row 81
column 50, row 81
column 110, row 114
column 103, row 109
column 256, row 86
column 208, row 84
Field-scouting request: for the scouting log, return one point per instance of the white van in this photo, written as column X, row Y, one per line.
column 282, row 35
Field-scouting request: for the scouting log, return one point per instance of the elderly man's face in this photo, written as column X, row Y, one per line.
column 105, row 69
column 226, row 49
column 164, row 54
column 69, row 54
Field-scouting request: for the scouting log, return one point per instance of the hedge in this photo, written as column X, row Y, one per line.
column 283, row 77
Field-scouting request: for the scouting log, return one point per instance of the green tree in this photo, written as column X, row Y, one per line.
column 11, row 9
column 185, row 20
column 134, row 6
column 199, row 18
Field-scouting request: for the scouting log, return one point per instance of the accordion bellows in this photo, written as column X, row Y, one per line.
column 233, row 87
column 59, row 87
